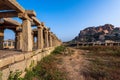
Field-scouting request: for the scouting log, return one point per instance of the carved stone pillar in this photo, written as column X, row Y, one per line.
column 1, row 38
column 27, row 44
column 53, row 40
column 33, row 39
column 40, row 37
column 19, row 40
column 46, row 38
column 50, row 39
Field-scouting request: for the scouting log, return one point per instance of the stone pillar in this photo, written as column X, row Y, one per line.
column 19, row 41
column 1, row 38
column 50, row 39
column 46, row 38
column 27, row 44
column 7, row 44
column 11, row 43
column 40, row 37
column 33, row 39
column 53, row 39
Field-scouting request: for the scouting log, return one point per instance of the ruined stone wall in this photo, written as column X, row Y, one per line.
column 21, row 62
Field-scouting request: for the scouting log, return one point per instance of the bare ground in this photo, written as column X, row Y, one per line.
column 73, row 65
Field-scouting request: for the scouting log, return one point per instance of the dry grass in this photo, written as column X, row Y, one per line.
column 47, row 68
column 104, row 63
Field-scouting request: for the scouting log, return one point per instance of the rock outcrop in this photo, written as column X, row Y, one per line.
column 100, row 33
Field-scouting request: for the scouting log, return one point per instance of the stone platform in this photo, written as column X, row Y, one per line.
column 7, row 52
column 11, row 60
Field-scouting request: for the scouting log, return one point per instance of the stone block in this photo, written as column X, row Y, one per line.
column 28, row 63
column 39, row 56
column 5, row 74
column 28, row 55
column 19, row 57
column 18, row 66
column 6, row 61
column 35, row 59
column 38, row 51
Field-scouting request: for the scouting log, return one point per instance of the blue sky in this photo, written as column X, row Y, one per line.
column 67, row 17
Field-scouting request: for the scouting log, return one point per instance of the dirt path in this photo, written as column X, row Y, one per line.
column 73, row 65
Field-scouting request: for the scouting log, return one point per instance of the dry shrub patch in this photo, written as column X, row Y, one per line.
column 104, row 63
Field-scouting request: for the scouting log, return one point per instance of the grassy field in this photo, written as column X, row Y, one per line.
column 104, row 63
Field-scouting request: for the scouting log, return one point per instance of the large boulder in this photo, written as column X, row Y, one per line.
column 100, row 33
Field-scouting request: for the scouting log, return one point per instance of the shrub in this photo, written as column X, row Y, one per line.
column 15, row 75
column 58, row 50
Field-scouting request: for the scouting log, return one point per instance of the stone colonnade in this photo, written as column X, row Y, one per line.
column 45, row 38
column 24, row 35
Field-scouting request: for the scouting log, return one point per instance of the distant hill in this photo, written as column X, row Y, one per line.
column 100, row 33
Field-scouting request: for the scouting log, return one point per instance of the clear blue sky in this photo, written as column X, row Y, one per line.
column 67, row 17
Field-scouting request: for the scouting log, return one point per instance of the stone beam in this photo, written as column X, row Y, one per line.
column 35, row 20
column 30, row 13
column 11, row 14
column 10, row 21
column 24, row 16
column 8, row 14
column 43, row 25
column 14, row 5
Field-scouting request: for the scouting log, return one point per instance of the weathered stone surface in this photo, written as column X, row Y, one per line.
column 50, row 39
column 40, row 37
column 18, row 66
column 27, row 36
column 46, row 38
column 39, row 56
column 38, row 51
column 6, row 61
column 5, row 74
column 19, row 41
column 35, row 59
column 28, row 63
column 19, row 57
column 28, row 55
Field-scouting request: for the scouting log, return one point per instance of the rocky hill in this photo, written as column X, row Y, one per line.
column 100, row 33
